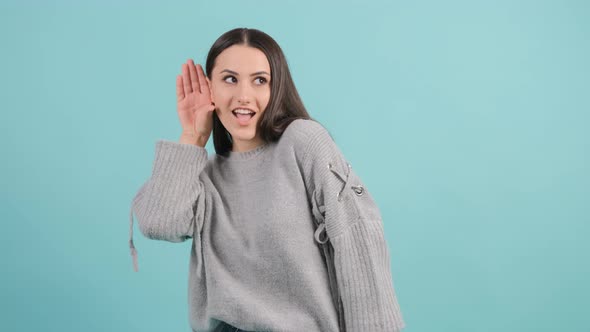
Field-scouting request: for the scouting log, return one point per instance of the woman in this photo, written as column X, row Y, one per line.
column 285, row 235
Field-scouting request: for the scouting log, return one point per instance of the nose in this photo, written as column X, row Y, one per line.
column 244, row 94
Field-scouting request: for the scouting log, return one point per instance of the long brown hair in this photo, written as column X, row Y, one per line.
column 284, row 104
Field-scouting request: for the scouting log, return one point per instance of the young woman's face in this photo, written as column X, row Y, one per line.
column 240, row 80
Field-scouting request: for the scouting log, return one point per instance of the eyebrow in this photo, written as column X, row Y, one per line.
column 253, row 74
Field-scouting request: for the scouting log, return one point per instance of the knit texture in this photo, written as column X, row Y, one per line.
column 285, row 237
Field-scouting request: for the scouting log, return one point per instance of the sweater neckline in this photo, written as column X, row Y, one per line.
column 245, row 155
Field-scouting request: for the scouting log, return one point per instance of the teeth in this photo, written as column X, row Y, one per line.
column 243, row 111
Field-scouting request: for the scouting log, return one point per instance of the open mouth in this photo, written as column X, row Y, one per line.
column 243, row 114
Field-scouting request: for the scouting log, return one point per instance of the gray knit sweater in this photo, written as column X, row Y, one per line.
column 285, row 237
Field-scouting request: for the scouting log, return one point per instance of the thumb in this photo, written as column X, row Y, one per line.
column 210, row 107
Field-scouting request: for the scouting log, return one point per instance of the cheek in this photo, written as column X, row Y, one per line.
column 221, row 95
column 265, row 97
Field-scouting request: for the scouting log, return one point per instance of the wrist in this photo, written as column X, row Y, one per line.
column 193, row 139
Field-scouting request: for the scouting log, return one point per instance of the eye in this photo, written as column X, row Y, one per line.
column 228, row 76
column 262, row 79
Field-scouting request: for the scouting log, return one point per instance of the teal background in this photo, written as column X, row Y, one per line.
column 467, row 120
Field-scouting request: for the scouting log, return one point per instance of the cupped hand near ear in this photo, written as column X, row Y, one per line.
column 194, row 106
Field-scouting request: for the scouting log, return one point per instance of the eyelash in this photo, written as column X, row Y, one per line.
column 263, row 79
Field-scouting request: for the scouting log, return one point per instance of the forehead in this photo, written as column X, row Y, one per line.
column 242, row 59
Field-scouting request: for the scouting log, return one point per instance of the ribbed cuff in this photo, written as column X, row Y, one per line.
column 364, row 278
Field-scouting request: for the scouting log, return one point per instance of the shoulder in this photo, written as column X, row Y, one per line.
column 302, row 128
column 305, row 134
column 312, row 143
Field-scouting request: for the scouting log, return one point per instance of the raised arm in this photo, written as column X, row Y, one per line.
column 170, row 205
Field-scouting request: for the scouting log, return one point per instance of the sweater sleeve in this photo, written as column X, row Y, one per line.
column 171, row 203
column 354, row 232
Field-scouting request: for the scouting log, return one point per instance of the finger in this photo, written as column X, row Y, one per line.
column 186, row 79
column 194, row 76
column 179, row 88
column 204, row 85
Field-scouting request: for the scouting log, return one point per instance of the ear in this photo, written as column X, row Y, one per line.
column 210, row 89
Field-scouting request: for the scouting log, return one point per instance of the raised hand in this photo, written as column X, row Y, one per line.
column 194, row 106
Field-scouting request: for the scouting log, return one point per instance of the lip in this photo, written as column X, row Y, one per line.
column 242, row 122
column 244, row 108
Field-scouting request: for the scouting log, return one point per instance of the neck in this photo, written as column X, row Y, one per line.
column 242, row 146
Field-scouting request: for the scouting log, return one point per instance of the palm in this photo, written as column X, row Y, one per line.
column 188, row 105
column 192, row 95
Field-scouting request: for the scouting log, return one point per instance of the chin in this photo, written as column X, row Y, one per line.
column 243, row 133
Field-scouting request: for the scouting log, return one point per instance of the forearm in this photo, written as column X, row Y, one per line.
column 172, row 200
